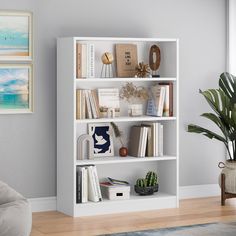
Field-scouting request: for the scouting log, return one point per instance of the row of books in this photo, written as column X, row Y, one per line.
column 161, row 101
column 85, row 60
column 95, row 104
column 146, row 140
column 88, row 188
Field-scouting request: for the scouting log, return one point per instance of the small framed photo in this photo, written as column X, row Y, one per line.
column 15, row 36
column 16, row 89
column 102, row 137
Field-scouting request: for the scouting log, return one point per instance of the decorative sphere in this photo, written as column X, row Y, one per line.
column 107, row 58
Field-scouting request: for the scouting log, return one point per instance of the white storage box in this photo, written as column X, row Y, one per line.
column 115, row 192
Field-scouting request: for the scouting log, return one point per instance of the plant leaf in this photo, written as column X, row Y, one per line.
column 227, row 83
column 200, row 130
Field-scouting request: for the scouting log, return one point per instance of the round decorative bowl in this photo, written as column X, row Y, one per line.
column 146, row 190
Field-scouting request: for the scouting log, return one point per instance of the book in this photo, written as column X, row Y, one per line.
column 150, row 139
column 78, row 186
column 160, row 139
column 108, row 98
column 127, row 59
column 90, row 61
column 92, row 189
column 78, row 104
column 88, row 105
column 92, row 104
column 78, row 60
column 95, row 99
column 168, row 103
column 97, row 185
column 84, row 61
column 144, row 141
column 134, row 141
column 83, row 173
column 158, row 96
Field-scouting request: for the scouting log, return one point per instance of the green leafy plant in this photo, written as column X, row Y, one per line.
column 223, row 103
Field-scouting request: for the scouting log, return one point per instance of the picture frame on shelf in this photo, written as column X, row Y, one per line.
column 102, row 137
column 16, row 88
column 126, row 59
column 16, row 36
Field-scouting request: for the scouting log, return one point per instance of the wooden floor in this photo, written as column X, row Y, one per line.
column 193, row 211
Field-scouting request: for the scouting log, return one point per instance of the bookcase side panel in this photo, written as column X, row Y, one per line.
column 65, row 126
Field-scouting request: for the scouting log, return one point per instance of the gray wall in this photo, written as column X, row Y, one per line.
column 28, row 142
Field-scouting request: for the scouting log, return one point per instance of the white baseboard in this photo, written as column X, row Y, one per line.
column 198, row 191
column 185, row 192
column 43, row 204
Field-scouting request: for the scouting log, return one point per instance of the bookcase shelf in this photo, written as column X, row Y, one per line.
column 128, row 168
column 160, row 79
column 118, row 159
column 126, row 119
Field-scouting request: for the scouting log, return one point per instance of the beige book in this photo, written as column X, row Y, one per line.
column 78, row 60
column 135, row 141
column 78, row 104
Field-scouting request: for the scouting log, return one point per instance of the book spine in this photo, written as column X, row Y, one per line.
column 83, row 105
column 90, row 61
column 79, row 190
column 78, row 104
column 93, row 195
column 92, row 103
column 97, row 183
column 78, row 60
column 140, row 143
column 160, row 139
column 166, row 110
column 156, row 139
column 161, row 101
column 88, row 106
column 84, row 61
column 145, row 133
column 95, row 99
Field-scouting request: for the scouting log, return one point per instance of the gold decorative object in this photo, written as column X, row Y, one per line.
column 130, row 92
column 107, row 60
column 142, row 70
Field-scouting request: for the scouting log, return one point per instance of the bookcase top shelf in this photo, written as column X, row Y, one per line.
column 128, row 159
column 116, row 79
column 127, row 119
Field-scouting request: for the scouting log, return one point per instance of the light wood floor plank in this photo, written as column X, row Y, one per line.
column 191, row 211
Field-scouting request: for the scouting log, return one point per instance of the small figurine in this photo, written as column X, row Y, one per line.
column 107, row 60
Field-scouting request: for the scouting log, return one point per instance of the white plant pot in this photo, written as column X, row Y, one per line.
column 135, row 109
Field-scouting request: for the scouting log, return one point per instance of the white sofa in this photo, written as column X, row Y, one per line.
column 15, row 213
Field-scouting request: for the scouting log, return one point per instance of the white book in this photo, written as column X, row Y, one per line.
column 158, row 94
column 166, row 106
column 92, row 191
column 84, row 61
column 88, row 105
column 140, row 143
column 160, row 140
column 92, row 103
column 144, row 141
column 156, row 146
column 97, row 183
column 90, row 61
column 85, row 185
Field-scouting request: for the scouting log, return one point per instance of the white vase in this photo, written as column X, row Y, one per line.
column 135, row 109
column 229, row 169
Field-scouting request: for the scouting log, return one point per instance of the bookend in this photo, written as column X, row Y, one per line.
column 80, row 146
column 225, row 195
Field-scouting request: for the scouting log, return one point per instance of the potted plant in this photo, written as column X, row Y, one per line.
column 134, row 95
column 223, row 103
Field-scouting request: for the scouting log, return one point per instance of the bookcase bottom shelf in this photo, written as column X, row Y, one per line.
column 135, row 203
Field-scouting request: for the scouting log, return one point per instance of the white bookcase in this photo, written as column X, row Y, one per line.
column 128, row 168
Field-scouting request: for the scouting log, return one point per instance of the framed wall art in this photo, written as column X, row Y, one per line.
column 15, row 36
column 103, row 142
column 16, row 88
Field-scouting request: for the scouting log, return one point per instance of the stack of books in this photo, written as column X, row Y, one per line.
column 93, row 104
column 87, row 104
column 161, row 102
column 146, row 140
column 85, row 60
column 87, row 184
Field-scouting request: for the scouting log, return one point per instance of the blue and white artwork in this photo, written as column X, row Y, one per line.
column 14, row 88
column 14, row 35
column 103, row 143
